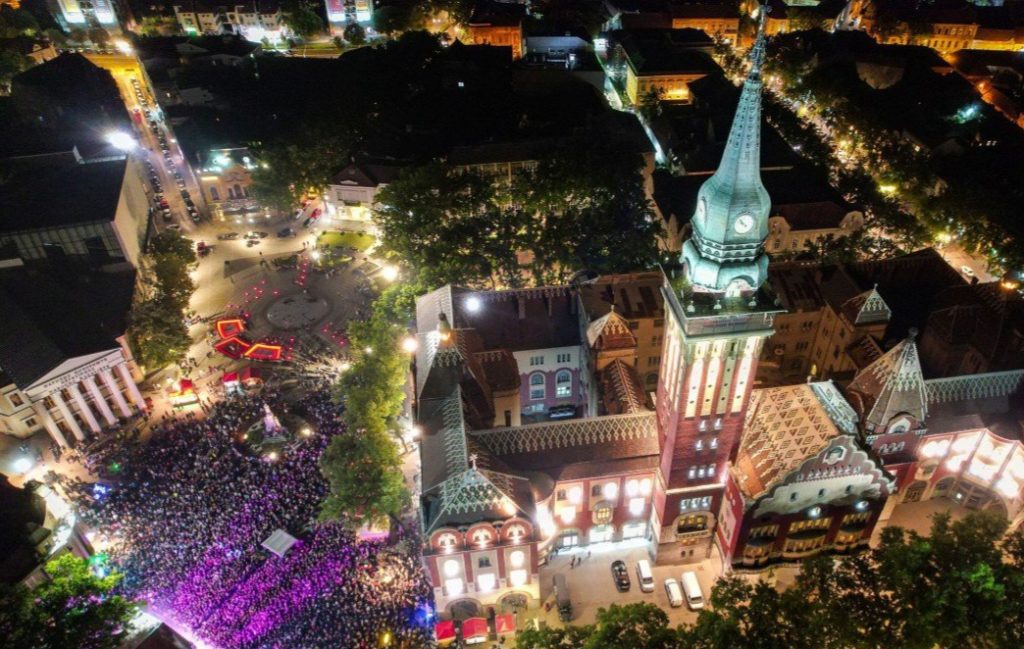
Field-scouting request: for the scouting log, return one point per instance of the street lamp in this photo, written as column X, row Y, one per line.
column 315, row 255
column 123, row 46
column 121, row 140
column 410, row 344
column 389, row 273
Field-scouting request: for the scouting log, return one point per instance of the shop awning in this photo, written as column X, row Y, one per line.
column 233, row 347
column 264, row 352
column 444, row 631
column 504, row 624
column 230, row 377
column 230, row 327
column 475, row 630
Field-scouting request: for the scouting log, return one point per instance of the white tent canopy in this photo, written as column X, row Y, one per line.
column 279, row 542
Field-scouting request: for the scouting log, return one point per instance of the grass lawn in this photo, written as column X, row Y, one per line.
column 358, row 240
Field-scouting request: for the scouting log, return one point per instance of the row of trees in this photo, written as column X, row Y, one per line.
column 362, row 466
column 962, row 586
column 974, row 198
column 75, row 608
column 582, row 207
column 156, row 326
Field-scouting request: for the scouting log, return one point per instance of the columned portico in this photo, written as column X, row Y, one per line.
column 115, row 392
column 50, row 424
column 129, row 384
column 83, row 408
column 69, row 419
column 97, row 398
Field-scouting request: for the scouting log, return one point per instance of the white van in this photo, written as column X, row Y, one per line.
column 691, row 587
column 645, row 576
column 674, row 592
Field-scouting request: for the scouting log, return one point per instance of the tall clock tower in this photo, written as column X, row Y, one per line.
column 718, row 315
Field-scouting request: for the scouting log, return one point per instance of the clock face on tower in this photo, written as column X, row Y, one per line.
column 744, row 224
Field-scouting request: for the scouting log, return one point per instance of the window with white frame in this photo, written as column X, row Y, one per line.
column 563, row 358
column 537, row 388
column 536, row 360
column 563, row 383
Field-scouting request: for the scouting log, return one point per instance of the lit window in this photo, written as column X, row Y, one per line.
column 517, row 559
column 447, row 541
column 516, row 533
column 711, row 469
column 453, row 587
column 451, row 568
column 563, row 383
column 611, row 490
column 692, row 473
column 814, row 512
column 714, row 442
column 645, row 486
column 537, row 388
column 632, row 488
column 517, row 577
column 576, row 495
column 485, row 583
column 636, row 506
column 699, row 445
column 481, row 536
column 568, row 515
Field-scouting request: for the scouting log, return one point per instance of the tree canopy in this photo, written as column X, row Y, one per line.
column 156, row 328
column 304, row 22
column 362, row 467
column 583, row 206
column 73, row 609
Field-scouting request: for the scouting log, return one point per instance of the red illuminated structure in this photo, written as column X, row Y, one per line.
column 233, row 345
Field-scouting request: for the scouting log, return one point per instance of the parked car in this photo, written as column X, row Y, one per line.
column 620, row 574
column 674, row 592
column 227, row 236
column 692, row 591
column 252, row 234
column 644, row 576
column 284, row 233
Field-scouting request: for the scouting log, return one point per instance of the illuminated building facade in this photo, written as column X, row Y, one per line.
column 666, row 61
column 79, row 14
column 225, row 176
column 254, row 21
column 342, row 12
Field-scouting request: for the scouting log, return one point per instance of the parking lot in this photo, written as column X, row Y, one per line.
column 591, row 586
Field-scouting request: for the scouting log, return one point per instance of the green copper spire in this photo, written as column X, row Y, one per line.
column 725, row 252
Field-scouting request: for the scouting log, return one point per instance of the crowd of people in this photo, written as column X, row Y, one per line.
column 186, row 513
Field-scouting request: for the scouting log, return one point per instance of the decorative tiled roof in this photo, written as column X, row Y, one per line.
column 867, row 308
column 973, row 386
column 785, row 426
column 891, row 385
column 553, row 435
column 610, row 331
column 623, row 392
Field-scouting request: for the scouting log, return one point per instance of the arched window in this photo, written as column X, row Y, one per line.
column 563, row 383
column 537, row 388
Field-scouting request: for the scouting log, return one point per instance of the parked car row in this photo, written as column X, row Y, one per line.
column 687, row 589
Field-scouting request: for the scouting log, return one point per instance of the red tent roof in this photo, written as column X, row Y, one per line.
column 264, row 352
column 230, row 327
column 475, row 627
column 444, row 630
column 505, row 623
column 232, row 347
column 230, row 377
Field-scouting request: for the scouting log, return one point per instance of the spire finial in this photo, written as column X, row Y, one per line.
column 472, row 460
column 757, row 52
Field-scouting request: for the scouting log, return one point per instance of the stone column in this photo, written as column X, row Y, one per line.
column 68, row 417
column 50, row 424
column 115, row 392
column 83, row 408
column 129, row 383
column 97, row 398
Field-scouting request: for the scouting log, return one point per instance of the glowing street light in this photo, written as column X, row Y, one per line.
column 389, row 273
column 473, row 304
column 123, row 46
column 23, row 464
column 121, row 140
column 410, row 344
column 315, row 255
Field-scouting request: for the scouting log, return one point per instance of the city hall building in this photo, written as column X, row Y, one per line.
column 548, row 422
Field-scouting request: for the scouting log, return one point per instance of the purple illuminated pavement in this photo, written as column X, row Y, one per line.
column 189, row 509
